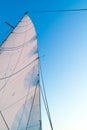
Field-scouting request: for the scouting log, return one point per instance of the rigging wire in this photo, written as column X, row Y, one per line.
column 59, row 10
column 44, row 96
column 46, row 108
column 50, row 11
column 43, row 92
column 53, row 11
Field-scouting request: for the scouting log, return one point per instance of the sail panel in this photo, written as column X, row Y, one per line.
column 19, row 79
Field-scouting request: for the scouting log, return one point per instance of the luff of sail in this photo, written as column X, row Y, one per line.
column 19, row 79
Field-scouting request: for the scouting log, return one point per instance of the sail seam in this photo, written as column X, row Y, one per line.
column 15, row 48
column 14, row 67
column 22, row 32
column 24, row 25
column 13, row 104
column 19, row 70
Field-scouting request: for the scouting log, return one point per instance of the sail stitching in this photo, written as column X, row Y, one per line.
column 17, row 47
column 22, row 32
column 24, row 25
column 19, row 70
column 13, row 70
column 13, row 104
column 6, row 80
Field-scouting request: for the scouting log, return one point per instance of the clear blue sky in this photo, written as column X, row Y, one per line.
column 62, row 38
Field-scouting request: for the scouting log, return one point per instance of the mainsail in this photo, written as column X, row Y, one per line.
column 19, row 79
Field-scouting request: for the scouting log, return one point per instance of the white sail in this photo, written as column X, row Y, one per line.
column 19, row 79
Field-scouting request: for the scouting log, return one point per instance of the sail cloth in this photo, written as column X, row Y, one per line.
column 19, row 79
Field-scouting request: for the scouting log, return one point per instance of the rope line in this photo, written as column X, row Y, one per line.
column 11, row 105
column 16, row 47
column 43, row 92
column 18, row 70
column 58, row 10
column 44, row 96
column 6, row 80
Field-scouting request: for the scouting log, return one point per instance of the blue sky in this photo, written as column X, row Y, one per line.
column 62, row 38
